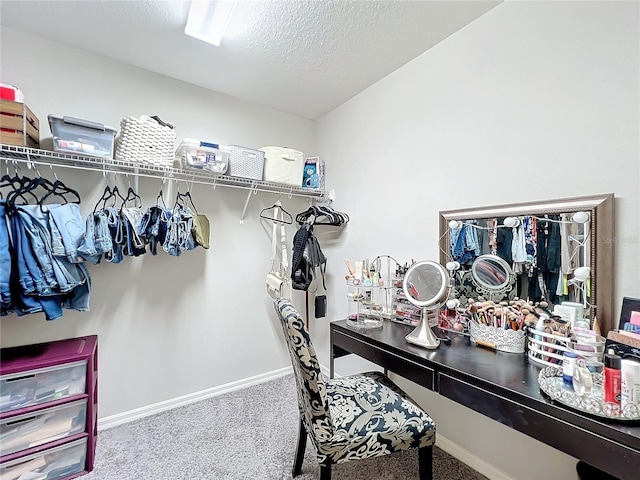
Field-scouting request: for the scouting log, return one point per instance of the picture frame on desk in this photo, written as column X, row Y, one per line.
column 630, row 315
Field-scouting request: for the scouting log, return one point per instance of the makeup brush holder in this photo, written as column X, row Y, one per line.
column 510, row 341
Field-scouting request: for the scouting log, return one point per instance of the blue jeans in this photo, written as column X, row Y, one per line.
column 30, row 293
column 114, row 224
column 97, row 240
column 179, row 237
column 65, row 222
column 5, row 265
column 154, row 226
column 36, row 225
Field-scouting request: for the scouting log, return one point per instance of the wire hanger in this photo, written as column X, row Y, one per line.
column 286, row 219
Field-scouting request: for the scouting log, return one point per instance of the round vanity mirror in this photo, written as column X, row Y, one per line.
column 425, row 285
column 491, row 273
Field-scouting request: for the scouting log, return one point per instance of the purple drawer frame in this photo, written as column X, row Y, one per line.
column 42, row 355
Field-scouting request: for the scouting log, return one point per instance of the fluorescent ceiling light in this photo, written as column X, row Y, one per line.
column 208, row 20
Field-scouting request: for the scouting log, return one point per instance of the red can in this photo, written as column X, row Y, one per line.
column 612, row 381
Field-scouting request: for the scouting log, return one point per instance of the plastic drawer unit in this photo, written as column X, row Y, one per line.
column 75, row 135
column 29, row 430
column 53, row 464
column 48, row 409
column 33, row 387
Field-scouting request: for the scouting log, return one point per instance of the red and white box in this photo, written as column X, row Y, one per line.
column 9, row 92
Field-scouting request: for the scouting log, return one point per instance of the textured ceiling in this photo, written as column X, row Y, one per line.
column 303, row 57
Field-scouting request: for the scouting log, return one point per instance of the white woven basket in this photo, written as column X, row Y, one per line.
column 145, row 140
column 548, row 349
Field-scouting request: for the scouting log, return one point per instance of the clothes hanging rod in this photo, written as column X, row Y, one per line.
column 12, row 153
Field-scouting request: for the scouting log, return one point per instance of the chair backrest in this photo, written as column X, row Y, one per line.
column 312, row 397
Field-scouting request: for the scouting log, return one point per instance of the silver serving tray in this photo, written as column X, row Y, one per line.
column 551, row 383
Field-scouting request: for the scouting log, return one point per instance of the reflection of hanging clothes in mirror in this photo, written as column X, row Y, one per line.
column 464, row 243
column 548, row 260
column 504, row 240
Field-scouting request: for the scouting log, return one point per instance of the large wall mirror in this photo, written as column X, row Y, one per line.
column 555, row 251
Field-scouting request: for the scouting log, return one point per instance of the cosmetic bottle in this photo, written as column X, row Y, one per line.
column 612, row 380
column 568, row 365
column 630, row 382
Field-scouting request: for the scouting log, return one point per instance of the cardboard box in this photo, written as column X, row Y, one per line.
column 18, row 125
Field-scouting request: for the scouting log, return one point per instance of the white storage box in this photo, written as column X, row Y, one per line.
column 244, row 162
column 37, row 428
column 201, row 156
column 75, row 135
column 283, row 165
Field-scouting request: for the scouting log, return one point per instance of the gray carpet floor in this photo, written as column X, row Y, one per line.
column 247, row 434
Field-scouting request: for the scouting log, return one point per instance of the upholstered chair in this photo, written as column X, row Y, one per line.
column 350, row 418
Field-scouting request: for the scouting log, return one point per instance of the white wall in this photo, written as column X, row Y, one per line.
column 167, row 326
column 532, row 101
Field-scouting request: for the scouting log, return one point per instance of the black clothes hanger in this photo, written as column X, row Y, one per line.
column 107, row 195
column 59, row 189
column 287, row 217
column 132, row 196
column 29, row 186
column 180, row 201
column 322, row 215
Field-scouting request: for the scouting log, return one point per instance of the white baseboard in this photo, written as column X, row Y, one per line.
column 137, row 413
column 465, row 456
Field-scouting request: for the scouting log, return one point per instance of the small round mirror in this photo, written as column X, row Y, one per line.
column 491, row 272
column 425, row 284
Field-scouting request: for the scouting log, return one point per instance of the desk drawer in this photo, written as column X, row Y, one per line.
column 53, row 464
column 393, row 362
column 37, row 428
column 560, row 434
column 33, row 387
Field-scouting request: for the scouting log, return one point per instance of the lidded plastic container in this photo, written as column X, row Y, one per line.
column 75, row 135
column 194, row 154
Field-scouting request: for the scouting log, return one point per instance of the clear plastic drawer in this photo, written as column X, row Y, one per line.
column 33, row 387
column 37, row 428
column 53, row 464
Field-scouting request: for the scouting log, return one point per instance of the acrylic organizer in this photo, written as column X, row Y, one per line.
column 552, row 384
column 366, row 305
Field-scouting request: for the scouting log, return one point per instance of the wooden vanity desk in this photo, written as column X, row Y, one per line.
column 502, row 386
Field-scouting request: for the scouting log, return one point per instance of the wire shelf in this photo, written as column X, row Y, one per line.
column 12, row 153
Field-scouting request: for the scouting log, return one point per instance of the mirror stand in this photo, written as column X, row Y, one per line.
column 422, row 335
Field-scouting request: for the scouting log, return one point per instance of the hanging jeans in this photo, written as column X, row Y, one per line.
column 5, row 265
column 36, row 223
column 154, row 226
column 67, row 228
column 179, row 237
column 30, row 290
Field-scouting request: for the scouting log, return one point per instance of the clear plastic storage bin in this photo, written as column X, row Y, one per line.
column 37, row 428
column 33, row 387
column 75, row 135
column 193, row 154
column 52, row 464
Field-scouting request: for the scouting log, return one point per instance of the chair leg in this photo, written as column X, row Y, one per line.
column 425, row 462
column 302, row 444
column 325, row 472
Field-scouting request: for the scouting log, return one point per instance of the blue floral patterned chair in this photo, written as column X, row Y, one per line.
column 354, row 417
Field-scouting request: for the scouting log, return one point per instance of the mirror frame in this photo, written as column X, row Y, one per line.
column 602, row 221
